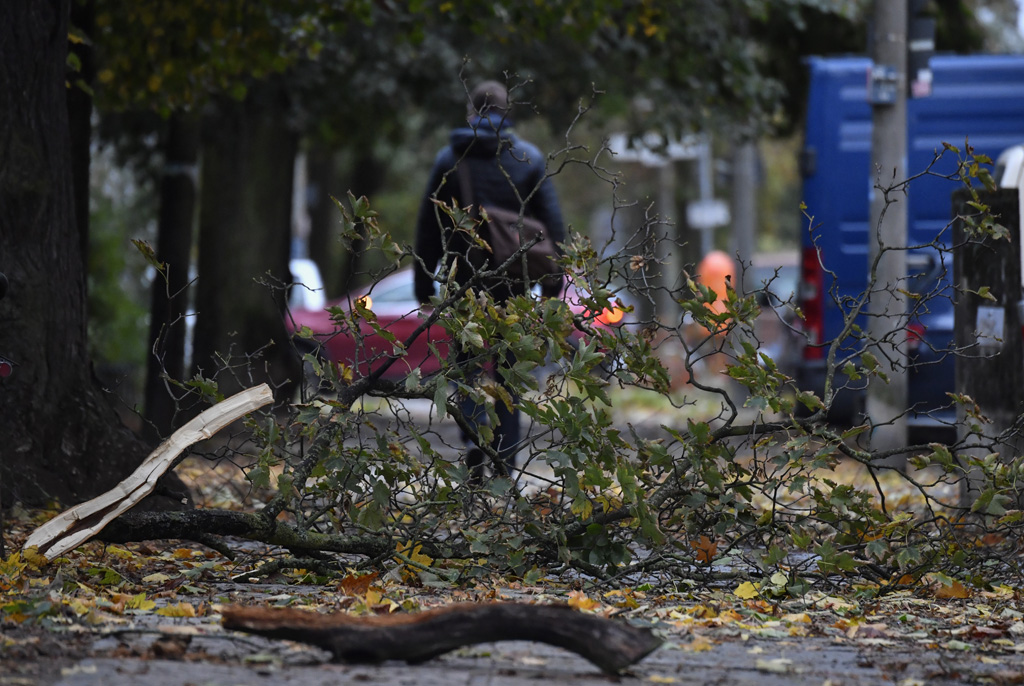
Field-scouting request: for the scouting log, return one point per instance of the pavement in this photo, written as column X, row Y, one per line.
column 817, row 661
column 197, row 651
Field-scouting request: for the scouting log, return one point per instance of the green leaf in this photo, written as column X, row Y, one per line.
column 851, row 371
column 810, row 401
column 441, row 399
column 412, row 380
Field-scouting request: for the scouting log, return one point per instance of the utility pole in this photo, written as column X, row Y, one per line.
column 887, row 229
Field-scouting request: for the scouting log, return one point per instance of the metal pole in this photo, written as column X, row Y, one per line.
column 744, row 210
column 707, row 190
column 671, row 248
column 887, row 402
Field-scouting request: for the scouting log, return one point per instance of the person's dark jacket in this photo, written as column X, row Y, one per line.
column 503, row 179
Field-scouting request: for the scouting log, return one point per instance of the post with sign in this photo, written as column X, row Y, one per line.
column 704, row 214
column 988, row 331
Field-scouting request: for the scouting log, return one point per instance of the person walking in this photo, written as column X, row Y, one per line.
column 501, row 170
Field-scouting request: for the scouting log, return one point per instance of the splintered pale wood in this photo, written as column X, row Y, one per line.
column 610, row 645
column 73, row 527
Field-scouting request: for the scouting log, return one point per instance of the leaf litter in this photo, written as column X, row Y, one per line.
column 112, row 594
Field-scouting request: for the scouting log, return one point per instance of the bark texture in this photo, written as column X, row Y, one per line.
column 610, row 645
column 59, row 436
column 244, row 242
column 169, row 304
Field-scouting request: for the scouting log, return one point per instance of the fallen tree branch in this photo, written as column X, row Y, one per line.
column 610, row 645
column 192, row 524
column 73, row 527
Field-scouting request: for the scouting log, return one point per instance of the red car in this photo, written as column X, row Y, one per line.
column 394, row 304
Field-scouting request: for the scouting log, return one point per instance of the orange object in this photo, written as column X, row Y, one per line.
column 715, row 271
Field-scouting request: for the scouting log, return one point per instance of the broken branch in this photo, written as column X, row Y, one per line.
column 73, row 527
column 610, row 645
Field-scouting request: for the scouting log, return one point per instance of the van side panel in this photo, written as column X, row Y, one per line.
column 979, row 98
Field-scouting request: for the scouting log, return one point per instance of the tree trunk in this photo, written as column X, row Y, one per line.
column 368, row 174
column 59, row 436
column 324, row 218
column 244, row 242
column 170, row 290
column 83, row 18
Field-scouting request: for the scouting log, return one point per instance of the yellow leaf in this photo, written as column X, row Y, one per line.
column 79, row 608
column 954, row 590
column 183, row 553
column 833, row 603
column 747, row 590
column 659, row 679
column 799, row 617
column 157, row 578
column 179, row 610
column 727, row 616
column 697, row 645
column 373, row 597
column 33, row 557
column 119, row 552
column 139, row 602
column 580, row 601
column 703, row 612
column 413, row 553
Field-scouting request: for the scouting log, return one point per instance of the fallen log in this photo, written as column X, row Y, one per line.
column 609, row 644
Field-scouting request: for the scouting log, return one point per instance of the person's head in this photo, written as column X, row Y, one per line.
column 489, row 98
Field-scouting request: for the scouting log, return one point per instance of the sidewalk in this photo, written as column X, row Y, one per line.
column 760, row 662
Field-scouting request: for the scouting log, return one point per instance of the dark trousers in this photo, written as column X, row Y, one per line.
column 507, row 434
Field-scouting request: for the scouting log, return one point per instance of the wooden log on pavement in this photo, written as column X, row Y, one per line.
column 609, row 644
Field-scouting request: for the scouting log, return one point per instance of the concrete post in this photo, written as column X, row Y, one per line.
column 887, row 240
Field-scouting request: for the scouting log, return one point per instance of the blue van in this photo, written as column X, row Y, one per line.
column 979, row 98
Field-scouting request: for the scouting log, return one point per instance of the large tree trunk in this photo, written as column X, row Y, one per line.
column 59, row 437
column 83, row 18
column 166, row 360
column 244, row 243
